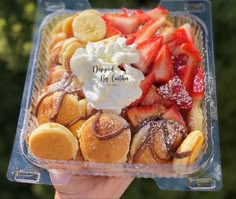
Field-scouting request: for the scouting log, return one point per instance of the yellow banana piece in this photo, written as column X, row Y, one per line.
column 89, row 26
column 193, row 144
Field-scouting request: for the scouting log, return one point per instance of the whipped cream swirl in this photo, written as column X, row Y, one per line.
column 109, row 81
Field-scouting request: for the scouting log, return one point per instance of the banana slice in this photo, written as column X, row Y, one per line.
column 89, row 26
column 69, row 51
column 193, row 144
column 195, row 118
column 66, row 43
column 67, row 26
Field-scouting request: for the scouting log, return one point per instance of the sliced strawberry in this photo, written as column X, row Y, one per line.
column 137, row 114
column 163, row 67
column 149, row 29
column 175, row 91
column 179, row 60
column 158, row 12
column 192, row 52
column 172, row 113
column 126, row 11
column 111, row 30
column 180, row 36
column 148, row 50
column 145, row 86
column 130, row 40
column 126, row 24
column 142, row 16
column 168, row 34
column 153, row 97
column 181, row 53
column 188, row 32
column 198, row 85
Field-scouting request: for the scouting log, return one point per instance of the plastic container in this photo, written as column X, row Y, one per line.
column 204, row 174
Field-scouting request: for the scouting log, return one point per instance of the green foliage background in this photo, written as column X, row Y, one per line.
column 16, row 22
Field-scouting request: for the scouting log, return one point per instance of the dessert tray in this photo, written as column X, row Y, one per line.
column 180, row 168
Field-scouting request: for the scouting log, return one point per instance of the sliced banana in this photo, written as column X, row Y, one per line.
column 89, row 26
column 195, row 118
column 67, row 26
column 66, row 43
column 69, row 51
column 193, row 144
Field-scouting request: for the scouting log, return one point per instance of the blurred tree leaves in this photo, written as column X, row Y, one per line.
column 16, row 24
column 16, row 21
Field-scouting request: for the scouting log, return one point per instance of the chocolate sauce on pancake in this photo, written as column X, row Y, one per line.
column 64, row 87
column 161, row 126
column 97, row 128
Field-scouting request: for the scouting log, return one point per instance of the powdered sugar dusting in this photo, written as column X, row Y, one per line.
column 175, row 91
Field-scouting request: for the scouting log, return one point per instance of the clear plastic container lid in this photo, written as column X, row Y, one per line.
column 204, row 174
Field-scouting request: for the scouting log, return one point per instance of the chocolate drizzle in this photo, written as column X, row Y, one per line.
column 64, row 87
column 96, row 128
column 160, row 126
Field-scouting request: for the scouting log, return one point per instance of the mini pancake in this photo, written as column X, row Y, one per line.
column 156, row 142
column 112, row 141
column 54, row 142
column 60, row 107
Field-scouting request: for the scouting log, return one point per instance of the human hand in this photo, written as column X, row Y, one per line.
column 85, row 186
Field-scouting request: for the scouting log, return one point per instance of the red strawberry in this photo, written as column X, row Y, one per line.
column 175, row 91
column 192, row 52
column 172, row 113
column 126, row 11
column 138, row 13
column 153, row 97
column 163, row 67
column 180, row 36
column 188, row 32
column 181, row 53
column 145, row 86
column 168, row 34
column 158, row 12
column 198, row 85
column 130, row 40
column 149, row 29
column 137, row 114
column 142, row 16
column 180, row 60
column 126, row 24
column 111, row 30
column 148, row 50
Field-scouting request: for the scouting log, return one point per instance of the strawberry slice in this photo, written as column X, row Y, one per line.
column 187, row 55
column 149, row 29
column 138, row 13
column 198, row 85
column 163, row 67
column 179, row 60
column 136, row 115
column 188, row 32
column 168, row 34
column 125, row 24
column 143, row 17
column 111, row 30
column 145, row 86
column 192, row 52
column 172, row 113
column 130, row 40
column 148, row 50
column 158, row 12
column 175, row 91
column 153, row 97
